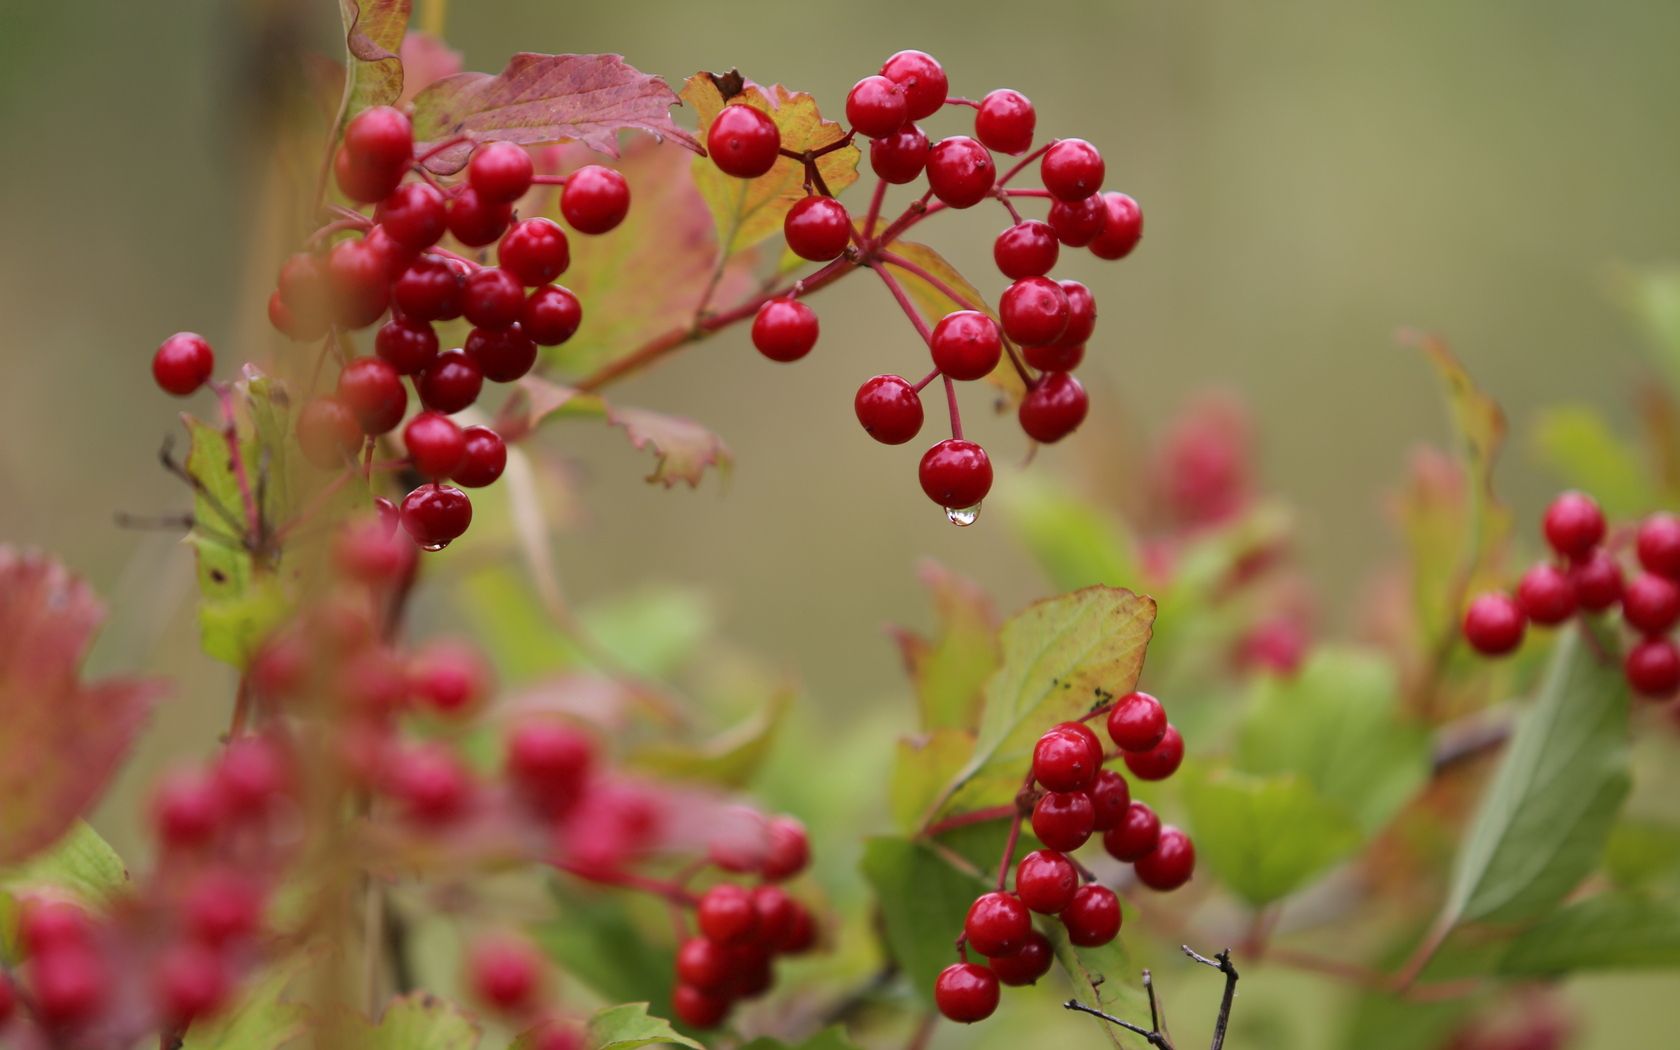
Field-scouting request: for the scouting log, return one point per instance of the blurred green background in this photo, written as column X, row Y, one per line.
column 1314, row 176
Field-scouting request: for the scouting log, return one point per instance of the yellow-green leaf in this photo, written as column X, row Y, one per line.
column 935, row 300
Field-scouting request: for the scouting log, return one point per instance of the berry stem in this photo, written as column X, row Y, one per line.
column 960, row 299
column 316, row 239
column 456, row 256
column 874, row 215
column 951, row 406
column 1009, row 845
column 1009, row 206
column 954, row 101
column 976, row 816
column 549, row 180
column 915, row 212
column 904, row 304
column 1021, row 165
column 439, row 147
column 925, row 380
column 670, row 891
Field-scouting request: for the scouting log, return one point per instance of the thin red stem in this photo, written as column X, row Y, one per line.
column 975, row 816
column 951, row 406
column 1028, row 192
column 1003, row 199
column 1009, row 851
column 630, row 881
column 549, row 180
column 926, row 380
column 875, row 201
column 1021, row 165
column 446, row 144
column 456, row 256
column 970, row 103
column 360, row 222
column 917, row 210
column 904, row 304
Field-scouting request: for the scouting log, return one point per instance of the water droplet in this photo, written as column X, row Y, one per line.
column 433, row 548
column 963, row 517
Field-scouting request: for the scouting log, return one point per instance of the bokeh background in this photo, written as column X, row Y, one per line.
column 1315, row 175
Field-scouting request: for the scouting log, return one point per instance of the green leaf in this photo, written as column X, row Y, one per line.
column 950, row 669
column 833, row 1038
column 934, row 299
column 1611, row 932
column 922, row 767
column 924, row 902
column 1075, row 544
column 373, row 36
column 1543, row 820
column 628, row 1026
column 263, row 1019
column 1266, row 837
column 1577, row 443
column 1642, row 852
column 1105, row 977
column 1653, row 296
column 651, row 631
column 1062, row 658
column 418, row 1021
column 598, row 940
column 730, row 759
column 80, row 864
column 1338, row 724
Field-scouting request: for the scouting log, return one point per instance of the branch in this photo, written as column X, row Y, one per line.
column 1155, row 1034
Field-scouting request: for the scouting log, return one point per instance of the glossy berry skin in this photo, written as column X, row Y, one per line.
column 726, row 914
column 1078, row 223
column 252, row 772
column 698, row 1009
column 359, row 283
column 1160, row 761
column 960, row 171
column 1093, row 918
column 550, row 762
column 380, row 137
column 476, row 221
column 504, row 973
column 434, row 515
column 1111, row 798
column 187, row 809
column 703, row 964
column 363, row 183
column 183, row 363
column 1650, row 603
column 966, row 992
column 375, row 393
column 889, row 408
column 818, row 229
column 435, row 444
column 1053, row 408
column 1065, row 759
column 483, row 458
column 502, row 354
column 1034, row 311
column 997, row 924
column 1027, row 965
column 1026, row 249
column 1122, row 227
column 1005, row 121
column 398, row 257
column 784, row 330
column 1494, row 624
column 1056, row 358
column 1072, row 170
column 1545, row 595
column 966, row 344
column 365, row 552
column 955, row 473
column 1652, row 668
column 1063, row 820
column 69, row 986
column 493, row 297
column 1596, row 581
column 1045, row 881
column 923, row 80
column 534, row 251
column 328, row 432
column 775, row 914
column 551, row 315
column 595, row 199
column 414, row 215
column 452, row 382
column 743, row 141
column 789, row 852
column 876, row 106
column 1135, row 835
column 429, row 290
column 1170, row 864
column 500, row 172
column 407, row 345
column 1137, row 722
column 1658, row 544
column 900, row 157
column 1573, row 524
column 1082, row 315
column 431, row 784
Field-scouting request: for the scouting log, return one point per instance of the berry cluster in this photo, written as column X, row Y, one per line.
column 1587, row 577
column 1041, row 324
column 392, row 263
column 1079, row 799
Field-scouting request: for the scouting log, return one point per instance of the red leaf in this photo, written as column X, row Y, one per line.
column 546, row 98
column 60, row 739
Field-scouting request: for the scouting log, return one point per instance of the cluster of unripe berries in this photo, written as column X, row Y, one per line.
column 1587, row 576
column 1043, row 324
column 1079, row 799
column 392, row 266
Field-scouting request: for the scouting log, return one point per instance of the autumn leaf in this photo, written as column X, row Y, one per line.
column 935, row 300
column 373, row 36
column 545, row 98
column 425, row 61
column 63, row 738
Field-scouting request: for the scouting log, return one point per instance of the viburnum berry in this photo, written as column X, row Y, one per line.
column 222, row 905
column 1045, row 881
column 183, row 363
column 380, row 137
column 414, row 215
column 889, row 408
column 48, row 925
column 1082, row 315
column 1545, row 595
column 475, row 220
column 1057, row 358
column 1652, row 668
column 818, row 229
column 8, row 999
column 923, row 80
column 500, row 172
column 703, row 964
column 595, row 199
column 375, row 393
column 484, row 458
column 1494, row 624
column 251, row 773
column 550, row 762
column 1026, row 249
column 429, row 290
column 435, row 444
column 1135, row 834
column 997, row 924
column 1573, row 524
column 775, row 914
column 1034, row 311
column 1005, row 121
column 956, row 474
column 1597, row 581
column 743, row 141
column 1122, row 227
column 1065, row 759
column 431, row 783
column 1026, row 965
column 1063, row 820
column 398, row 257
column 1111, row 797
column 1160, row 761
column 187, row 809
column 698, row 1009
column 1658, row 544
column 363, row 183
column 68, row 986
column 371, row 681
column 449, row 678
column 434, row 515
column 533, row 251
column 505, row 973
column 302, row 286
column 1053, row 408
column 1078, row 223
column 406, row 344
column 1651, row 603
column 876, row 106
column 365, row 552
column 900, row 157
column 551, row 315
column 502, row 354
column 1093, row 917
column 789, row 849
column 1137, row 722
column 1071, row 170
column 726, row 914
column 1170, row 864
column 359, row 283
column 960, row 171
column 966, row 992
column 451, row 382
column 192, row 982
column 327, row 432
column 784, row 330
column 966, row 344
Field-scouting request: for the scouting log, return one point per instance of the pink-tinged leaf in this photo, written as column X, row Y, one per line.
column 425, row 61
column 950, row 668
column 535, row 400
column 545, row 98
column 62, row 738
column 684, row 449
column 373, row 36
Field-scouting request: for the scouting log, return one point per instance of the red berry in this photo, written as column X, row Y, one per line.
column 1122, row 227
column 1053, row 408
column 505, row 973
column 1082, row 315
column 550, row 762
column 753, row 975
column 923, row 80
column 1659, row 545
column 595, row 199
column 1650, row 603
column 414, row 216
column 997, row 924
column 1065, row 759
column 535, row 251
column 1045, row 881
column 876, row 106
column 222, row 905
column 374, row 392
column 1027, row 965
column 502, row 354
column 551, row 315
column 1494, row 625
column 966, row 344
column 435, row 444
column 381, row 137
column 430, row 782
column 407, row 345
column 1573, row 524
column 802, row 932
column 818, row 228
column 1652, row 668
column 429, row 290
column 1093, row 918
column 1135, row 834
column 49, row 926
column 493, row 297
column 966, row 992
column 452, row 382
column 69, row 987
column 698, row 1009
column 1057, row 358
column 363, row 183
column 956, row 474
column 449, row 677
column 1137, row 722
column 8, row 1000
column 359, row 281
column 1078, row 223
column 187, row 809
column 784, row 330
column 1063, row 820
column 475, row 220
column 743, row 141
column 183, row 363
column 192, row 982
column 900, row 157
column 328, row 432
column 1545, row 595
column 500, row 171
column 251, row 773
column 889, row 408
column 960, row 171
column 726, row 914
column 789, row 851
column 1170, row 864
column 302, row 285
column 1005, row 121
column 484, row 459
column 1026, row 249
column 366, row 552
column 1597, row 581
column 1111, row 797
column 1034, row 311
column 1160, row 761
column 775, row 914
column 398, row 257
column 434, row 515
column 1071, row 170
column 703, row 964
